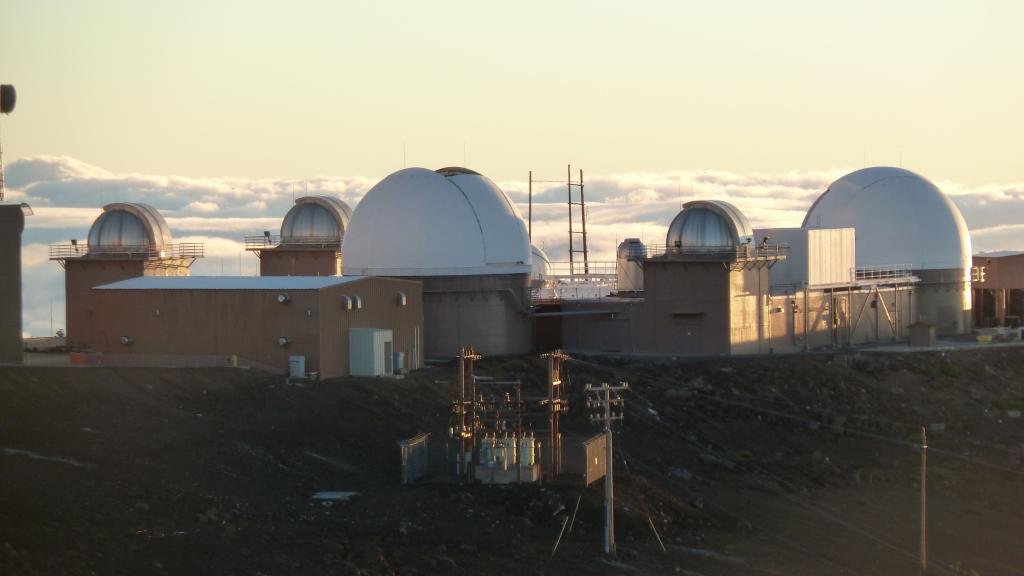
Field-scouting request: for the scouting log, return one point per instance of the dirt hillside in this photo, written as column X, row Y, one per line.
column 758, row 466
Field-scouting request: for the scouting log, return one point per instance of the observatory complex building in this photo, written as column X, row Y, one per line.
column 437, row 260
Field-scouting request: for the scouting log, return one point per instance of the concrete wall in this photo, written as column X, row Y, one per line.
column 12, row 223
column 490, row 313
column 943, row 298
column 608, row 325
column 720, row 312
column 219, row 323
column 748, row 311
column 82, row 274
column 293, row 262
column 380, row 310
column 686, row 308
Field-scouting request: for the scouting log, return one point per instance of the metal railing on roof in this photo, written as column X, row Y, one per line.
column 176, row 251
column 884, row 272
column 592, row 269
column 728, row 253
column 269, row 241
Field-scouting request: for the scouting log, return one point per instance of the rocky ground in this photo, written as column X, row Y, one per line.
column 799, row 465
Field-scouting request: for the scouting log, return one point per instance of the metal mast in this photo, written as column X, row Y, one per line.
column 608, row 401
column 582, row 233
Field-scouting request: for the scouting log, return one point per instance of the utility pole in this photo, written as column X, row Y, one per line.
column 608, row 401
column 924, row 500
column 556, row 405
column 464, row 412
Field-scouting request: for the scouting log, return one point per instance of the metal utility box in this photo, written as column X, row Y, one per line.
column 595, row 449
column 415, row 457
column 371, row 352
column 297, row 366
column 922, row 334
column 817, row 256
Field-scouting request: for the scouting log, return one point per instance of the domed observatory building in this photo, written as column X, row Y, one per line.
column 309, row 243
column 905, row 225
column 704, row 291
column 458, row 233
column 127, row 240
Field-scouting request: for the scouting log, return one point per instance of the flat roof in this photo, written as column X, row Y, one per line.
column 230, row 282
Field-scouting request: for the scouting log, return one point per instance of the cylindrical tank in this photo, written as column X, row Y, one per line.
column 526, row 451
column 510, row 450
column 629, row 272
column 12, row 223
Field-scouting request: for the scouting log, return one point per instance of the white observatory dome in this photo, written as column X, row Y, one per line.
column 540, row 264
column 128, row 225
column 322, row 219
column 450, row 222
column 708, row 223
column 900, row 218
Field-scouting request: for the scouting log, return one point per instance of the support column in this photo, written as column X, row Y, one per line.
column 12, row 223
column 1000, row 297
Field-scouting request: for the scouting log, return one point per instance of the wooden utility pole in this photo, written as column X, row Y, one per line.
column 464, row 410
column 556, row 405
column 924, row 500
column 608, row 401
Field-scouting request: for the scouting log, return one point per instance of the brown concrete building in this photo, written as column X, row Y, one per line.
column 126, row 241
column 998, row 289
column 310, row 240
column 12, row 223
column 262, row 321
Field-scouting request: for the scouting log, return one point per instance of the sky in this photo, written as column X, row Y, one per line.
column 219, row 112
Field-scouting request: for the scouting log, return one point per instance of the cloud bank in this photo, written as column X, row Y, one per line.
column 67, row 195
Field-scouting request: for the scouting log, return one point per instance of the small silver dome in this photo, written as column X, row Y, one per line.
column 128, row 225
column 708, row 223
column 317, row 219
column 631, row 249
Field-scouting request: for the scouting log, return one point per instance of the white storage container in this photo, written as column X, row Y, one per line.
column 297, row 366
column 370, row 352
column 816, row 257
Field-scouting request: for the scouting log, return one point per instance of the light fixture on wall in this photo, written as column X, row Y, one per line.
column 284, row 341
column 283, row 298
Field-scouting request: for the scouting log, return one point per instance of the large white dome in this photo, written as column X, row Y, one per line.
column 900, row 218
column 450, row 222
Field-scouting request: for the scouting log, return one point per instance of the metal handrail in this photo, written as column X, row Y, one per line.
column 591, row 268
column 266, row 242
column 78, row 249
column 738, row 252
column 883, row 272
